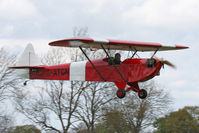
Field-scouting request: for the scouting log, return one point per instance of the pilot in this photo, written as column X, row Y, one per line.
column 117, row 59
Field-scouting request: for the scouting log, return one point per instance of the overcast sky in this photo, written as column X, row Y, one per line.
column 164, row 21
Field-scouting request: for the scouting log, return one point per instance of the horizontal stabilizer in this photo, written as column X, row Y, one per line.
column 26, row 67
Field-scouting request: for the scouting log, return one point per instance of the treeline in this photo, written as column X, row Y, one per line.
column 185, row 120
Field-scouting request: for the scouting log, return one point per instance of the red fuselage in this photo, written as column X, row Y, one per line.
column 133, row 70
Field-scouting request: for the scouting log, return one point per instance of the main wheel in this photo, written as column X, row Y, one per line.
column 121, row 93
column 143, row 95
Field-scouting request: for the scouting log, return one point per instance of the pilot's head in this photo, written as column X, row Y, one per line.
column 117, row 56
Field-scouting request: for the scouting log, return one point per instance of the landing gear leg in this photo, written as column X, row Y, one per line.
column 141, row 92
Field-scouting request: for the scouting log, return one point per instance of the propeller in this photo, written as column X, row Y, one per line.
column 165, row 62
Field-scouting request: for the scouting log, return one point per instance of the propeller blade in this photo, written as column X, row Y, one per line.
column 159, row 59
column 165, row 62
column 169, row 63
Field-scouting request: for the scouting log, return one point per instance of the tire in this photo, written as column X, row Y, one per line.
column 121, row 93
column 143, row 95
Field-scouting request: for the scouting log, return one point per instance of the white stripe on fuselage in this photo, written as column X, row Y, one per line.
column 78, row 71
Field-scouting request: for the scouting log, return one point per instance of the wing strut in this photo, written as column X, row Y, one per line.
column 134, row 54
column 135, row 51
column 92, row 63
column 155, row 52
column 113, row 63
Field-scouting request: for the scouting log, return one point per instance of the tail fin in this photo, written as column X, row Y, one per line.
column 27, row 59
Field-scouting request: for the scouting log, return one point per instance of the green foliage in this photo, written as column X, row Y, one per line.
column 112, row 122
column 182, row 121
column 24, row 129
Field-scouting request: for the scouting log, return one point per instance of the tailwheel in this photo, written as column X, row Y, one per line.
column 142, row 94
column 121, row 93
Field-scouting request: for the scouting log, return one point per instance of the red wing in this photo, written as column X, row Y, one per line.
column 114, row 44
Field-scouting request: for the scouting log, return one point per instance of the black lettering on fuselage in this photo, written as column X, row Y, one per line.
column 48, row 73
column 57, row 72
column 63, row 72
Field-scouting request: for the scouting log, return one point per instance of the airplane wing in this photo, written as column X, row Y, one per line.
column 114, row 44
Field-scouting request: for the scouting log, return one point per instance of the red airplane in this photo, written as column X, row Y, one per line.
column 128, row 72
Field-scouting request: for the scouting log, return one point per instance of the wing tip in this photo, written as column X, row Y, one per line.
column 66, row 42
column 181, row 47
column 61, row 43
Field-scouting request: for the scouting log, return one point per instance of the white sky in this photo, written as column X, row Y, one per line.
column 164, row 21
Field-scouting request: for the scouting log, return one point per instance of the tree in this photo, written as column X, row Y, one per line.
column 6, row 75
column 138, row 114
column 93, row 101
column 7, row 83
column 23, row 129
column 113, row 121
column 6, row 121
column 184, row 120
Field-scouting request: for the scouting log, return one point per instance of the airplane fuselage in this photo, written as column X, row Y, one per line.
column 133, row 70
